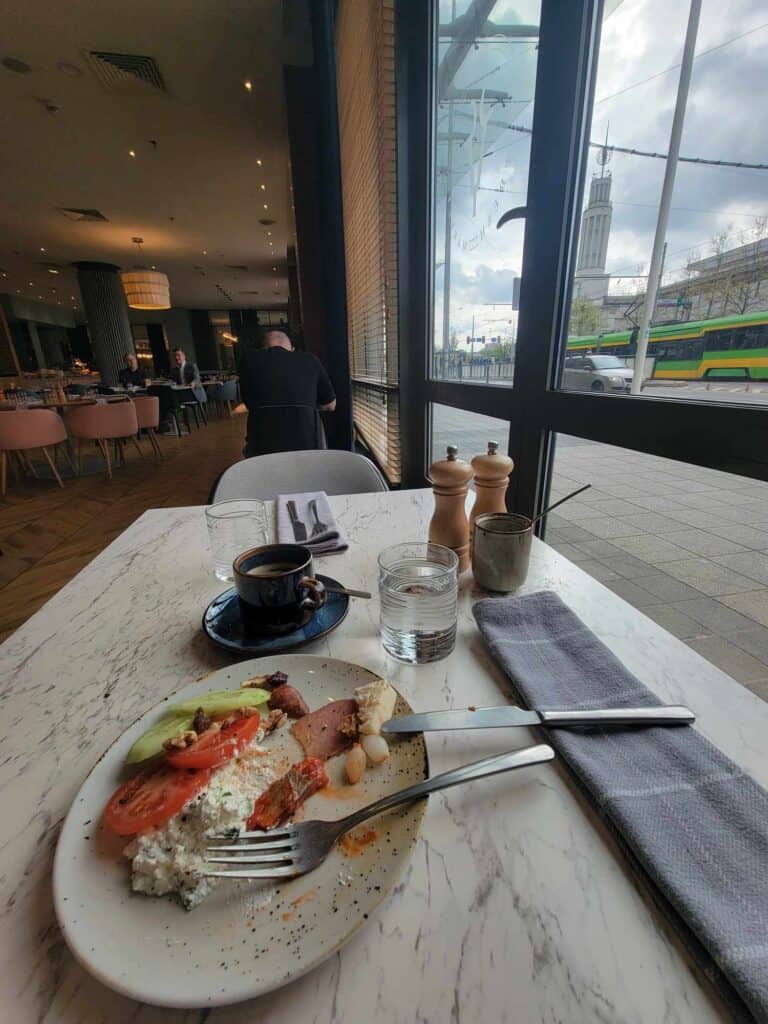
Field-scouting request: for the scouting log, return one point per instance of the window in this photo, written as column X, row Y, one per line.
column 714, row 280
column 484, row 83
column 470, row 432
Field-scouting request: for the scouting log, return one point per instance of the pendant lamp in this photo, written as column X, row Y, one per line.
column 146, row 289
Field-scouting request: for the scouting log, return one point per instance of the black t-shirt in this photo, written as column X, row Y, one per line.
column 135, row 377
column 275, row 376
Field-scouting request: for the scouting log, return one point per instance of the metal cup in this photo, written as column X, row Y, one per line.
column 501, row 550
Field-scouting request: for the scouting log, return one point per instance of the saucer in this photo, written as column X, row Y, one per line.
column 223, row 623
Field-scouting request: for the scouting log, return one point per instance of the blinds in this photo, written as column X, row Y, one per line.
column 365, row 62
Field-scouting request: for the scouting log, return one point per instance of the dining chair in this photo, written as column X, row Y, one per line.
column 213, row 394
column 148, row 418
column 23, row 430
column 115, row 422
column 228, row 395
column 329, row 470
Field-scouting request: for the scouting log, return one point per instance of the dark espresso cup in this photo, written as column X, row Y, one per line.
column 276, row 587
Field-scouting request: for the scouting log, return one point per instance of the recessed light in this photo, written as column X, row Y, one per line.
column 52, row 270
column 18, row 291
column 69, row 69
column 31, row 284
column 72, row 297
column 265, row 206
column 269, row 232
column 263, row 188
column 154, row 267
column 131, row 152
column 248, row 84
column 205, row 252
column 274, row 268
column 258, row 162
column 42, row 248
column 39, row 296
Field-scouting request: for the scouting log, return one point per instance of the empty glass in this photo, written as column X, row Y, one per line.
column 233, row 527
column 418, row 590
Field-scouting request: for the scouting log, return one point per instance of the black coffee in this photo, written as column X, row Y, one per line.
column 271, row 569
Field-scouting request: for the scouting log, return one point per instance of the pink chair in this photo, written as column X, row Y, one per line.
column 24, row 429
column 148, row 417
column 103, row 423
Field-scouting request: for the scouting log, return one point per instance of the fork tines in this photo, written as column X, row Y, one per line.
column 273, row 852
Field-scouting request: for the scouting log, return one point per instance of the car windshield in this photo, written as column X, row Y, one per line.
column 608, row 363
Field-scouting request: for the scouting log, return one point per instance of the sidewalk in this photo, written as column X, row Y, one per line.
column 688, row 546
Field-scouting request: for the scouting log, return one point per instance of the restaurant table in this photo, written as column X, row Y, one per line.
column 517, row 904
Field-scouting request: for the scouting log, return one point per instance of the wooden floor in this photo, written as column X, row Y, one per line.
column 47, row 534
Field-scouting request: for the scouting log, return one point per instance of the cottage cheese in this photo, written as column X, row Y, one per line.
column 171, row 859
column 375, row 704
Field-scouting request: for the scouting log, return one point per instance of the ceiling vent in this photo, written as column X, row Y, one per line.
column 76, row 213
column 118, row 71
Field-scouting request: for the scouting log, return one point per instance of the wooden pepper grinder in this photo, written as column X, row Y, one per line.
column 491, row 481
column 449, row 526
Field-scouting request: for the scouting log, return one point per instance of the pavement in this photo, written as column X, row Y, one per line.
column 688, row 546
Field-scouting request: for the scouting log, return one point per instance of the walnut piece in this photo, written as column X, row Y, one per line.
column 182, row 741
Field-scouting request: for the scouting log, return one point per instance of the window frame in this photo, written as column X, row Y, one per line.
column 722, row 436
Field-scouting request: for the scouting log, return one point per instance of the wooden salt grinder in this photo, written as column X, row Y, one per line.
column 491, row 481
column 449, row 526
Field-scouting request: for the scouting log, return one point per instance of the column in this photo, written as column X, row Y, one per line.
column 107, row 313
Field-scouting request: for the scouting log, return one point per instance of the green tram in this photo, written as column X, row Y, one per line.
column 727, row 347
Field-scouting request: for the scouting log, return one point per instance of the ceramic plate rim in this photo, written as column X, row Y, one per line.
column 141, row 994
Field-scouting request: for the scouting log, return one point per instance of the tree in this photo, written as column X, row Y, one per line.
column 586, row 318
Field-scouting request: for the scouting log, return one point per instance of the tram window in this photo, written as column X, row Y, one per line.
column 719, row 341
column 756, row 337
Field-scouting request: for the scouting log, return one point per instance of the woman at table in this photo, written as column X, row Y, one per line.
column 132, row 376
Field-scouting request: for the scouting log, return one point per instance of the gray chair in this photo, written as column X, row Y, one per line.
column 266, row 476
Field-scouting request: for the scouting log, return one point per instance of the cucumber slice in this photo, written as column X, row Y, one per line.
column 178, row 717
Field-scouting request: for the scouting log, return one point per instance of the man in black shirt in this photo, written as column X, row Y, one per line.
column 132, row 376
column 283, row 389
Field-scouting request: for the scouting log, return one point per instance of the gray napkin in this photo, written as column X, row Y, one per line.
column 695, row 824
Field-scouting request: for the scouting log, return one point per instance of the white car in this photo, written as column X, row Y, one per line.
column 596, row 373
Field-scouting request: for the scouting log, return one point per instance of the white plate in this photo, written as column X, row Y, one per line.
column 246, row 938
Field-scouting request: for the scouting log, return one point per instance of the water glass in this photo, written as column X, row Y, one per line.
column 234, row 527
column 418, row 591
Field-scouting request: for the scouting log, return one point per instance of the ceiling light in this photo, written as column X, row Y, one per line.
column 248, row 84
column 31, row 284
column 265, row 206
column 259, row 163
column 274, row 268
column 42, row 248
column 146, row 289
column 131, row 152
column 52, row 270
column 72, row 297
column 154, row 267
column 263, row 188
column 205, row 252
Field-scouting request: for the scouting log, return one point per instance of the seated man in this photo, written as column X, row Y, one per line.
column 187, row 374
column 277, row 376
column 132, row 376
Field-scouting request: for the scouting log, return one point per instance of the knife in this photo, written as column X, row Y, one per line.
column 504, row 717
column 299, row 529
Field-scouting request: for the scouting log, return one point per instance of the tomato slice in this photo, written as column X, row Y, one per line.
column 152, row 797
column 215, row 746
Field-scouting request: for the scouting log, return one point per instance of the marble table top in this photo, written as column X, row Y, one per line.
column 517, row 905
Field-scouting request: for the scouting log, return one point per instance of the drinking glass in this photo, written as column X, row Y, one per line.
column 418, row 591
column 233, row 527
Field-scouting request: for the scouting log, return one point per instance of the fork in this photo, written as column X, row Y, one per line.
column 320, row 526
column 297, row 849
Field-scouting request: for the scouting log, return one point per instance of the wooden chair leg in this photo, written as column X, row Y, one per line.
column 68, row 457
column 28, row 465
column 137, row 446
column 154, row 442
column 104, row 447
column 229, row 409
column 52, row 464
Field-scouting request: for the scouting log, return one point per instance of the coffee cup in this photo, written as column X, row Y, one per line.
column 276, row 587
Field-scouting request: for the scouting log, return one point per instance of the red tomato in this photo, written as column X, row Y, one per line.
column 215, row 746
column 152, row 797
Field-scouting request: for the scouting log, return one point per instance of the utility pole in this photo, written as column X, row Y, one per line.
column 448, row 218
column 654, row 271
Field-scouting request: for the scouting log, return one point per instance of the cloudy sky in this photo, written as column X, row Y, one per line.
column 641, row 43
